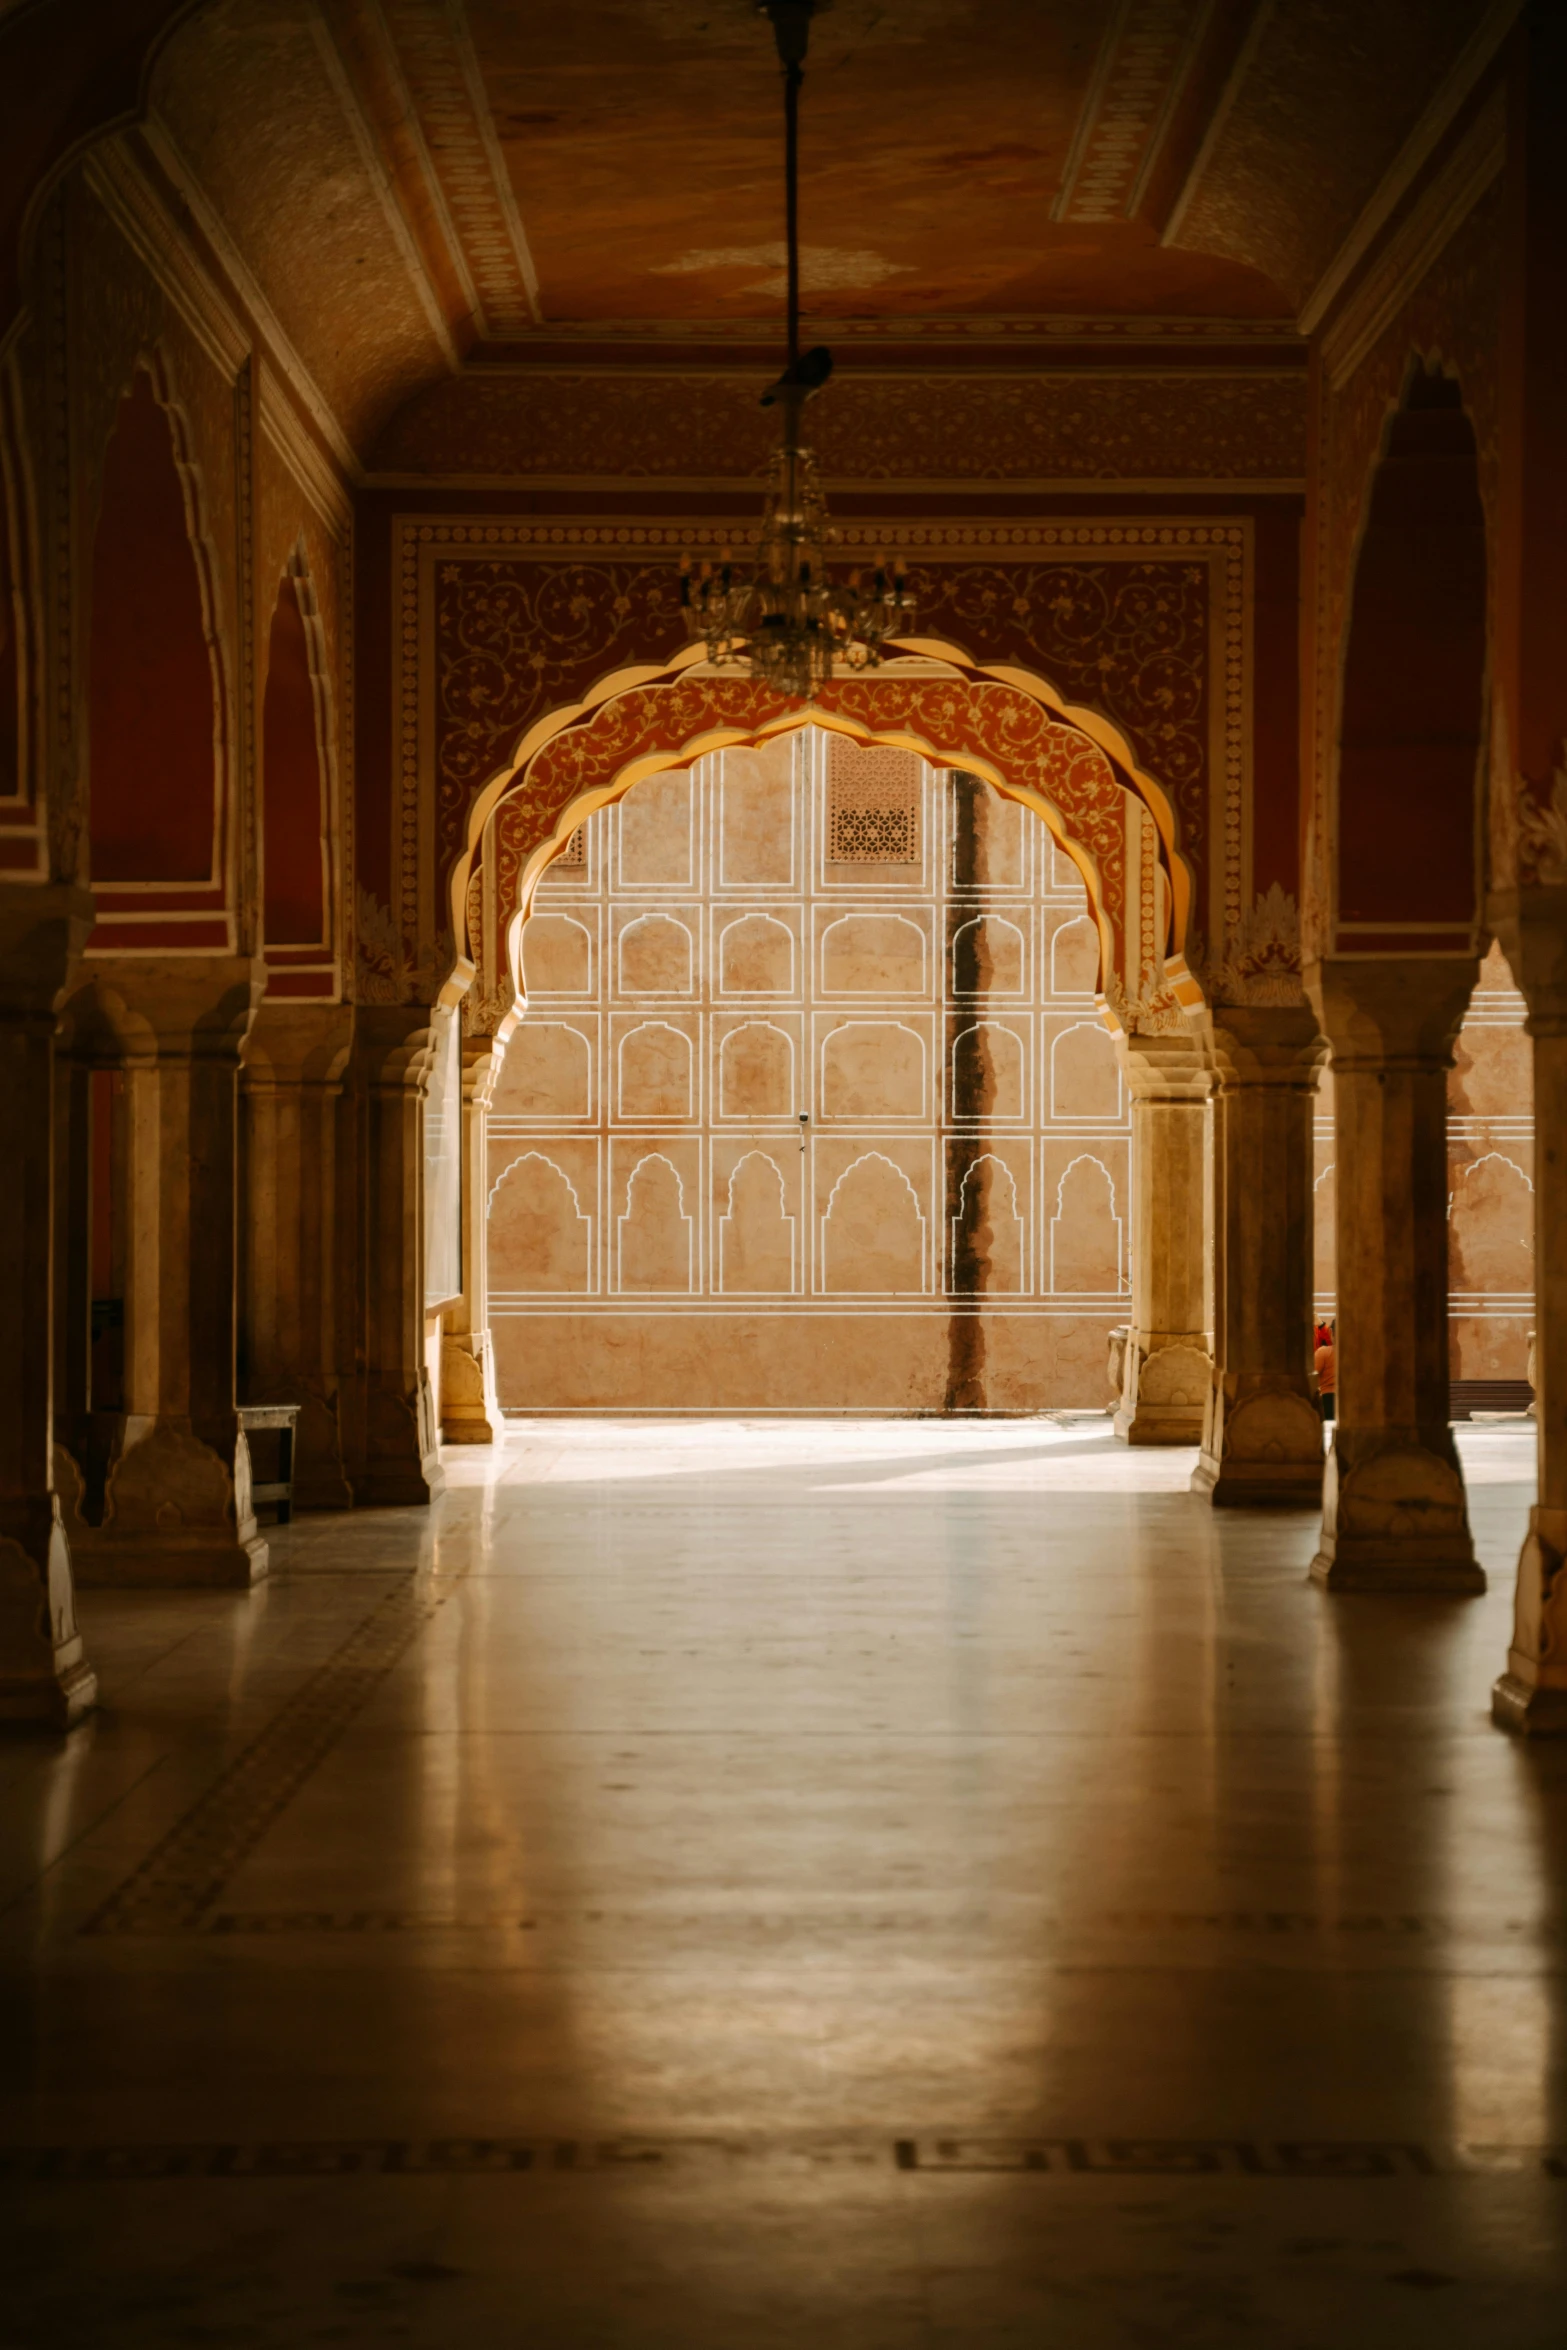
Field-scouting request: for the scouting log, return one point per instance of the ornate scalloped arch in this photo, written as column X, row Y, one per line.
column 1070, row 766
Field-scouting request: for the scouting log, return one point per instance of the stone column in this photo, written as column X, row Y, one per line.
column 1168, row 1366
column 176, row 1469
column 470, row 1411
column 398, row 1448
column 291, row 1087
column 1395, row 1516
column 1263, row 1441
column 44, row 1673
column 1532, row 1694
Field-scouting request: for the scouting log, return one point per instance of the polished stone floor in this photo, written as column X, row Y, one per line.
column 898, row 1885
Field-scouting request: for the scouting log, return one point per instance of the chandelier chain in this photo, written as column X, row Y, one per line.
column 790, row 623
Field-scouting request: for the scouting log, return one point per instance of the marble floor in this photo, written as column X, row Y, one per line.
column 898, row 1885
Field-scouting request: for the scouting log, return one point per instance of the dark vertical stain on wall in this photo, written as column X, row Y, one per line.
column 966, row 1230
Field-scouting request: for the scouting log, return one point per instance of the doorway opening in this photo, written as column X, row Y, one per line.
column 812, row 1109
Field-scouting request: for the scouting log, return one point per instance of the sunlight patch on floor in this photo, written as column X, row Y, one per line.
column 1065, row 1452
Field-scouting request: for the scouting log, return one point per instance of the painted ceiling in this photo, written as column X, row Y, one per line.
column 417, row 184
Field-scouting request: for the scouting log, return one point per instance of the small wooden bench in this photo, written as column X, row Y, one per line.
column 278, row 1419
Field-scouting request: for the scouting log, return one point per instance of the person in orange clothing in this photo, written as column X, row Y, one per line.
column 1323, row 1362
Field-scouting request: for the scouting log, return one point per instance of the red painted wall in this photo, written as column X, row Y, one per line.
column 292, row 782
column 10, row 670
column 1414, row 677
column 153, row 710
column 1275, row 839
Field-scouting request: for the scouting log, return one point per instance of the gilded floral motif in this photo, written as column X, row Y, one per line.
column 516, row 637
column 1099, row 427
column 956, row 722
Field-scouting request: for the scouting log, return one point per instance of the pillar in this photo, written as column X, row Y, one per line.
column 1531, row 1695
column 44, row 1673
column 1168, row 1366
column 1263, row 1442
column 1528, row 787
column 470, row 1411
column 293, row 1287
column 166, row 1500
column 397, row 1452
column 1395, row 1517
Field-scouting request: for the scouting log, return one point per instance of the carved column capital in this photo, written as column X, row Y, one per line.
column 1391, row 1011
column 1532, row 927
column 1272, row 1044
column 43, row 933
column 294, row 1043
column 1173, row 1067
column 133, row 1009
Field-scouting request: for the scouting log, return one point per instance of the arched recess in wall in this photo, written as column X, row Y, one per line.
column 156, row 701
column 296, row 769
column 13, row 621
column 1412, row 717
column 1005, row 728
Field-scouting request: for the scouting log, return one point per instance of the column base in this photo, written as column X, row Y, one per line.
column 1165, row 1397
column 1263, row 1450
column 49, row 1701
column 320, row 1478
column 1390, row 1568
column 46, row 1681
column 470, row 1413
column 1525, row 1700
column 1394, row 1515
column 1259, row 1485
column 163, row 1563
column 1528, row 1710
column 402, row 1463
column 175, row 1516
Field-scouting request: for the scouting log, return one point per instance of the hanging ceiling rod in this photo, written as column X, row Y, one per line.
column 790, row 623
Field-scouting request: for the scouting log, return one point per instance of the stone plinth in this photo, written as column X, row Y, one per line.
column 296, row 1290
column 1531, row 1695
column 1262, row 1446
column 157, row 1491
column 45, row 1677
column 1395, row 1516
column 1167, row 1368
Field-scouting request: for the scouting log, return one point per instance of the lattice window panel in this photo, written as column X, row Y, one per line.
column 575, row 851
column 873, row 806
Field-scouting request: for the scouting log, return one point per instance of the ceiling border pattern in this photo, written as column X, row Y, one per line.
column 1142, row 64
column 436, row 56
column 1218, row 122
column 304, row 458
column 986, row 431
column 111, row 174
column 376, row 173
column 170, row 160
column 1444, row 205
column 1410, row 160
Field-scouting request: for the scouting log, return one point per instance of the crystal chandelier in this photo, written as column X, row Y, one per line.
column 788, row 622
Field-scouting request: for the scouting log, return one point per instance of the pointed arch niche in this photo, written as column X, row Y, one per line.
column 157, row 699
column 297, row 790
column 772, row 1237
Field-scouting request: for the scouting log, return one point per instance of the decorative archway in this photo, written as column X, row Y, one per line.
column 1412, row 702
column 1010, row 728
column 159, row 716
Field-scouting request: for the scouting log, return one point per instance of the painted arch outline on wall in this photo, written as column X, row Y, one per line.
column 1008, row 727
column 160, row 717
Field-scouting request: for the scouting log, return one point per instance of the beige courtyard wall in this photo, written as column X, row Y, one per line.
column 904, row 958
